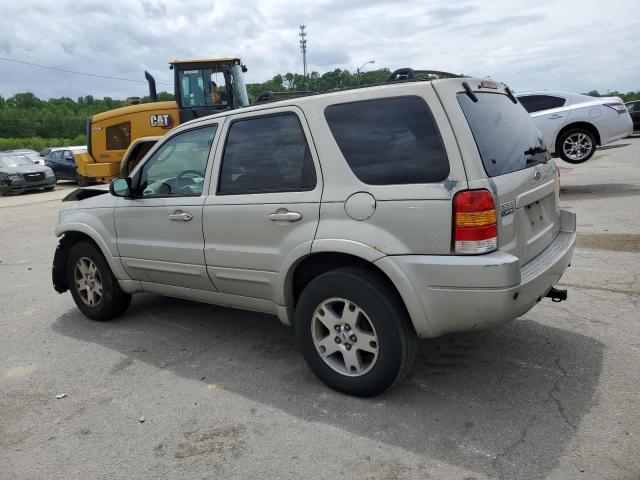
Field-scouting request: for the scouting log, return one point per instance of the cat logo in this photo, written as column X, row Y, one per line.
column 162, row 120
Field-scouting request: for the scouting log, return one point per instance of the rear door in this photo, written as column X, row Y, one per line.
column 264, row 204
column 503, row 152
column 549, row 112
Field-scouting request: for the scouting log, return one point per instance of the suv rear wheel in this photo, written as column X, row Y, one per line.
column 354, row 332
column 576, row 145
column 93, row 287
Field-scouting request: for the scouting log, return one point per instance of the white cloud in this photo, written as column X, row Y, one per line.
column 551, row 44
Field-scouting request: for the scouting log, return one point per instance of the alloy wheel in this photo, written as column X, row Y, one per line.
column 344, row 337
column 88, row 281
column 577, row 146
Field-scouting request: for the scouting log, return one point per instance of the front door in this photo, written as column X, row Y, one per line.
column 159, row 231
column 264, row 204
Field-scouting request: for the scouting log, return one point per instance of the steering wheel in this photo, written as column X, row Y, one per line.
column 189, row 172
column 186, row 189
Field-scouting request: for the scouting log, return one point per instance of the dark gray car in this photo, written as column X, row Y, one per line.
column 19, row 173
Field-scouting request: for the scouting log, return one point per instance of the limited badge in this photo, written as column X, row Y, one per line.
column 507, row 208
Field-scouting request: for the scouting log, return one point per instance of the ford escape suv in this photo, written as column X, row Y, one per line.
column 365, row 219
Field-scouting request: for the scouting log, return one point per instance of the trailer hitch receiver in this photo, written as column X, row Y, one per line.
column 557, row 295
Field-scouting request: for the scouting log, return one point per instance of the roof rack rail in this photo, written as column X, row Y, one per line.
column 270, row 96
column 408, row 74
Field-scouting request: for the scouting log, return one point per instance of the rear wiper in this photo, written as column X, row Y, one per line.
column 534, row 150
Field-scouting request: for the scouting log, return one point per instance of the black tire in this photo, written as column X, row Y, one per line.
column 397, row 341
column 82, row 181
column 114, row 301
column 48, row 189
column 575, row 131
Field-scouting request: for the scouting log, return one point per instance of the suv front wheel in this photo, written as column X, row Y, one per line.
column 93, row 286
column 354, row 331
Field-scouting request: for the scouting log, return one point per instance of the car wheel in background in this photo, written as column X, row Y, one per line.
column 82, row 181
column 354, row 331
column 576, row 145
column 93, row 287
column 48, row 189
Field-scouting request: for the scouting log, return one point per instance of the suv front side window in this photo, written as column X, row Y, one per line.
column 266, row 155
column 178, row 167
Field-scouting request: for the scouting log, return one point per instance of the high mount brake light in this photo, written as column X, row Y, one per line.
column 488, row 84
column 475, row 228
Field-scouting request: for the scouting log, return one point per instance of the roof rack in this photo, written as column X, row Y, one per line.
column 400, row 75
column 270, row 96
column 409, row 74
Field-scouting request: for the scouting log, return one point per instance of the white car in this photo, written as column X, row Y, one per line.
column 573, row 125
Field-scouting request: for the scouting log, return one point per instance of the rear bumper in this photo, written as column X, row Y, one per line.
column 459, row 293
column 617, row 130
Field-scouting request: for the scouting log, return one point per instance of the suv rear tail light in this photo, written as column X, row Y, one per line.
column 618, row 107
column 474, row 222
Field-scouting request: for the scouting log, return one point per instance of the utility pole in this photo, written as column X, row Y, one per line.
column 303, row 48
column 359, row 69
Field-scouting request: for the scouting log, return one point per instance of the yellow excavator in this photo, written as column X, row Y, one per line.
column 201, row 87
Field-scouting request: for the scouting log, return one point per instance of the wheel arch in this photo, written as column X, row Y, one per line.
column 71, row 235
column 316, row 263
column 573, row 125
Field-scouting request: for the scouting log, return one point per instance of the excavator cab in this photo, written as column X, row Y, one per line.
column 204, row 87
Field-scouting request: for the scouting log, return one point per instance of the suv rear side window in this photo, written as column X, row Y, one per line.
column 389, row 141
column 538, row 103
column 266, row 155
column 503, row 132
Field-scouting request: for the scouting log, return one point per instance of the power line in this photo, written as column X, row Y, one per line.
column 77, row 73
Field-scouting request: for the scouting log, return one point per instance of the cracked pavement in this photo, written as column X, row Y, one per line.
column 225, row 394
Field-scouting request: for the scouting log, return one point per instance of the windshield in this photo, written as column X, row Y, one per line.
column 34, row 157
column 506, row 137
column 206, row 87
column 15, row 160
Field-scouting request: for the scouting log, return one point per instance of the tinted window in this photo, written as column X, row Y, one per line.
column 537, row 103
column 631, row 107
column 118, row 136
column 266, row 154
column 503, row 132
column 389, row 141
column 178, row 167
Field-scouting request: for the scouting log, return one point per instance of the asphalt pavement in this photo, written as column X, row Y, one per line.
column 176, row 389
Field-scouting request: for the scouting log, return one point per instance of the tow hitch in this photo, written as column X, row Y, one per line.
column 557, row 295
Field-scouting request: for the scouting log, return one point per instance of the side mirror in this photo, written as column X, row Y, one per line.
column 120, row 187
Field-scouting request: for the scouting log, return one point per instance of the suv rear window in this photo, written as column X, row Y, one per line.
column 389, row 141
column 538, row 103
column 503, row 132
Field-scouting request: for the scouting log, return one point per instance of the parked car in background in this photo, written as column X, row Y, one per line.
column 62, row 161
column 634, row 110
column 18, row 173
column 573, row 125
column 366, row 218
column 32, row 154
column 45, row 151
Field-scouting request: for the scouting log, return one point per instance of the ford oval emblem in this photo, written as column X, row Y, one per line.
column 537, row 175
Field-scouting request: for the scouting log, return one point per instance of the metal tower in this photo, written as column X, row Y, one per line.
column 303, row 48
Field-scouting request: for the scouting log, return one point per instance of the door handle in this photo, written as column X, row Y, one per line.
column 179, row 215
column 556, row 115
column 285, row 216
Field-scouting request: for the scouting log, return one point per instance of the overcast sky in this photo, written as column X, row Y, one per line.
column 574, row 45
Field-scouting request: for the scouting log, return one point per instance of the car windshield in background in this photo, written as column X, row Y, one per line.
column 34, row 157
column 506, row 137
column 14, row 160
